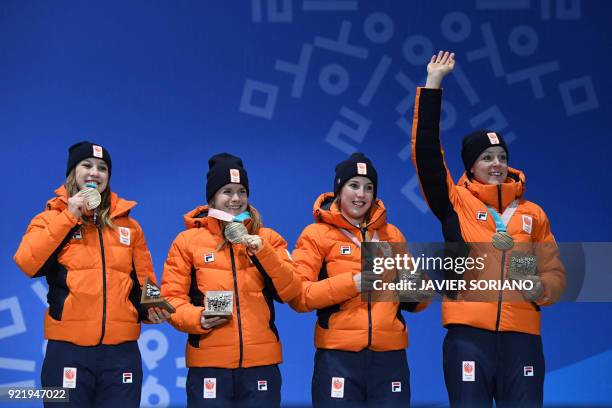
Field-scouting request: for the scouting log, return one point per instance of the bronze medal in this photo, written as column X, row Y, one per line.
column 92, row 198
column 502, row 241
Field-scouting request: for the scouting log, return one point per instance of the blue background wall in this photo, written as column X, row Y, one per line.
column 164, row 85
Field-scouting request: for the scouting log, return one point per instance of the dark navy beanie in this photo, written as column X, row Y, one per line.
column 477, row 142
column 224, row 168
column 356, row 165
column 85, row 150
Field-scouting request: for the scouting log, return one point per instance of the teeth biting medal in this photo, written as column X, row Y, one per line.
column 92, row 196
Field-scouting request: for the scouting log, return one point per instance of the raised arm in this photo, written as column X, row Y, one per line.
column 45, row 237
column 272, row 259
column 427, row 154
column 439, row 66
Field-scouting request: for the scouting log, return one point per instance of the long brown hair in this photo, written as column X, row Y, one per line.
column 103, row 211
column 253, row 226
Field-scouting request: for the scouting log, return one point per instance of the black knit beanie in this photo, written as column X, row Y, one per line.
column 84, row 150
column 356, row 165
column 224, row 168
column 475, row 143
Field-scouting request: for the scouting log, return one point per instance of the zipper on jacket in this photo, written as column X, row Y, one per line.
column 103, row 284
column 369, row 319
column 501, row 292
column 364, row 230
column 237, row 302
column 500, row 296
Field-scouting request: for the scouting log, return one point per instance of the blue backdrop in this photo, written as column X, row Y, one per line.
column 293, row 87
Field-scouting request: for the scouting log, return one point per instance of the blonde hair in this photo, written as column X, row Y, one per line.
column 103, row 210
column 252, row 227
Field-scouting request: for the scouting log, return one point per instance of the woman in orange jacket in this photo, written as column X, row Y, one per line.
column 493, row 348
column 232, row 360
column 95, row 259
column 361, row 344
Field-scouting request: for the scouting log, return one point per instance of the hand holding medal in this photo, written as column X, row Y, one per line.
column 92, row 196
column 236, row 233
column 85, row 201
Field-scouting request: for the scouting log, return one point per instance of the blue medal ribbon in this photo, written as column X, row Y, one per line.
column 499, row 223
column 245, row 215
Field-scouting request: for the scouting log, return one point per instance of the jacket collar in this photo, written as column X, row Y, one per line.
column 497, row 196
column 326, row 210
column 118, row 207
column 198, row 218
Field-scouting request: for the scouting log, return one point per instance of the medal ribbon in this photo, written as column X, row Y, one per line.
column 502, row 221
column 225, row 216
column 245, row 215
column 353, row 238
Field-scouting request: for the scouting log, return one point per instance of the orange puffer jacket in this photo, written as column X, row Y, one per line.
column 195, row 266
column 94, row 275
column 326, row 260
column 462, row 210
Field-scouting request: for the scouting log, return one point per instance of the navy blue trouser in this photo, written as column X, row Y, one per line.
column 483, row 365
column 105, row 375
column 360, row 379
column 239, row 387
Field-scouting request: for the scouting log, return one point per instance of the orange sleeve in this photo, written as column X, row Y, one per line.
column 46, row 234
column 142, row 257
column 397, row 236
column 176, row 280
column 315, row 293
column 274, row 258
column 550, row 268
